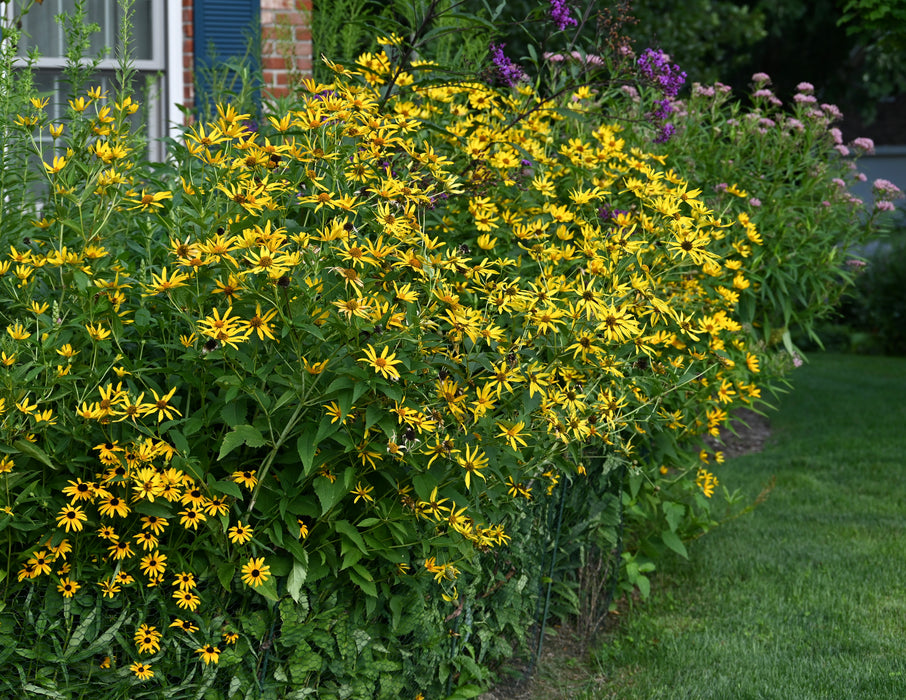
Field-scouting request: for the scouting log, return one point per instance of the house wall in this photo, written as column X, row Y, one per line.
column 286, row 47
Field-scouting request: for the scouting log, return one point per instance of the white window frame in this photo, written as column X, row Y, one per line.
column 166, row 60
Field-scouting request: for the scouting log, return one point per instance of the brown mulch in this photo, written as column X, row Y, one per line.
column 748, row 432
column 563, row 670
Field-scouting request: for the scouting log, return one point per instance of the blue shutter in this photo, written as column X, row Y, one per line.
column 224, row 29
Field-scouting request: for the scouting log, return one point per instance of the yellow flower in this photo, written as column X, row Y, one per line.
column 245, row 478
column 186, row 600
column 161, row 406
column 97, row 332
column 209, row 653
column 154, row 564
column 17, row 332
column 385, row 364
column 142, row 671
column 255, row 572
column 71, row 518
column 239, row 533
column 473, row 462
column 362, row 492
column 68, row 587
column 59, row 162
column 184, row 625
column 147, row 201
column 314, row 368
column 513, row 434
column 147, row 639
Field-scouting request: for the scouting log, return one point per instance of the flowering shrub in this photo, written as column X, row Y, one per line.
column 300, row 395
column 786, row 170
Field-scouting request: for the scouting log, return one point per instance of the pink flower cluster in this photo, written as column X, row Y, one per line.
column 885, row 193
column 589, row 59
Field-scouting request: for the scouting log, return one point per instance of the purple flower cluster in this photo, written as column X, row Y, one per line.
column 560, row 16
column 506, row 71
column 655, row 67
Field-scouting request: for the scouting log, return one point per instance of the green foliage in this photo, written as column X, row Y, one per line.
column 335, row 405
column 874, row 313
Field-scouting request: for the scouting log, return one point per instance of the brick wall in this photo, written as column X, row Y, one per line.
column 286, row 47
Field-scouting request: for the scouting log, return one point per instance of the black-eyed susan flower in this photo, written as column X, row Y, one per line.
column 142, row 671
column 239, row 533
column 255, row 572
column 191, row 518
column 230, row 637
column 154, row 523
column 113, row 505
column 245, row 478
column 185, row 625
column 209, row 654
column 121, row 550
column 186, row 600
column 68, row 587
column 216, row 506
column 185, row 580
column 147, row 639
column 154, row 564
column 71, row 518
column 109, row 588
column 40, row 563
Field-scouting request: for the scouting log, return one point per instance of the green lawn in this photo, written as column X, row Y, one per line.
column 806, row 596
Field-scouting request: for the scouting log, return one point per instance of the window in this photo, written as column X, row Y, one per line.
column 155, row 87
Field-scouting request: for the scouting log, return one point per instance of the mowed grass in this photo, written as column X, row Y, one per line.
column 805, row 597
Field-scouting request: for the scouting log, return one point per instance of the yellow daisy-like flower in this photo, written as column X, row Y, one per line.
column 255, row 572
column 184, row 625
column 71, row 518
column 142, row 671
column 17, row 332
column 209, row 654
column 161, row 406
column 239, row 533
column 186, row 600
column 383, row 364
column 147, row 639
column 245, row 478
column 149, row 200
column 68, row 587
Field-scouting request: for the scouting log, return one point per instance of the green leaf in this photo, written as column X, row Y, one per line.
column 344, row 527
column 101, row 643
column 674, row 512
column 240, row 435
column 672, row 540
column 268, row 589
column 307, row 446
column 295, row 580
column 228, row 487
column 363, row 579
column 27, row 448
column 225, row 574
column 329, row 494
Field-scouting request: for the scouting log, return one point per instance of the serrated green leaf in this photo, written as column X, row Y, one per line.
column 672, row 540
column 240, row 435
column 295, row 580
